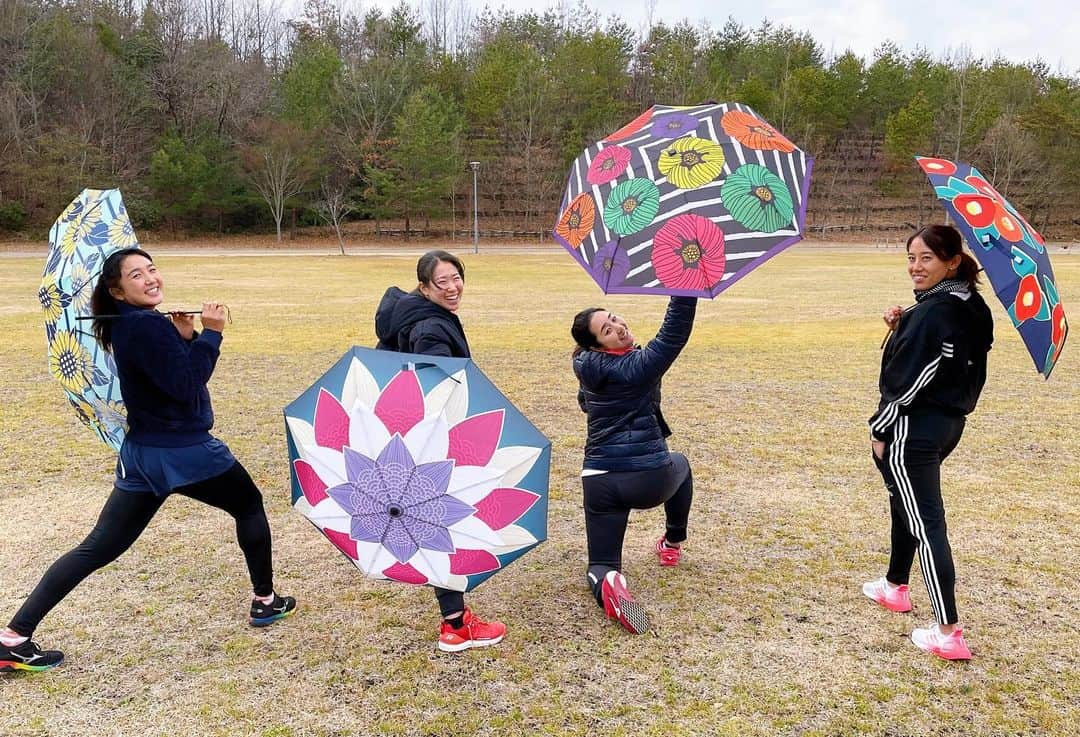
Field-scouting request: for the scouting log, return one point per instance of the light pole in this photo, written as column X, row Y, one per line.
column 475, row 165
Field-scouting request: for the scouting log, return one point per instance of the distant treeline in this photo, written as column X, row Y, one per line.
column 222, row 115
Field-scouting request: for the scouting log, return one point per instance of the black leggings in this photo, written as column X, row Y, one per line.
column 610, row 496
column 123, row 518
column 450, row 601
column 911, row 469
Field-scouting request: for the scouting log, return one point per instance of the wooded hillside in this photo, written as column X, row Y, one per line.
column 225, row 116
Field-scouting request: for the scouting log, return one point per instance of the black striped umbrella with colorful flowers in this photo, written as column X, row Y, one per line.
column 684, row 200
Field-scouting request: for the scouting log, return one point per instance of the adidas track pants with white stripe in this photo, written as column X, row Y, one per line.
column 911, row 468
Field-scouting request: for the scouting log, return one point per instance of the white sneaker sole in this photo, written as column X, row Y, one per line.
column 444, row 647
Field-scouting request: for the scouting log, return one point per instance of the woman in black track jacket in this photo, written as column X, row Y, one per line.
column 932, row 371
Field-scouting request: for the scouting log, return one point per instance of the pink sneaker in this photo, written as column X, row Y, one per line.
column 620, row 605
column 668, row 556
column 893, row 598
column 951, row 646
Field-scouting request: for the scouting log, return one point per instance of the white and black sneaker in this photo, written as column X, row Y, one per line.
column 265, row 614
column 28, row 656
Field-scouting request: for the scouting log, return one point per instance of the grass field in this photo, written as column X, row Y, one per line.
column 762, row 630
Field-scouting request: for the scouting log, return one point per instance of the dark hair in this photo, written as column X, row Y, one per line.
column 101, row 301
column 425, row 267
column 947, row 243
column 582, row 332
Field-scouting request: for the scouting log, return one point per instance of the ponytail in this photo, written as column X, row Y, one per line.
column 582, row 333
column 968, row 270
column 102, row 303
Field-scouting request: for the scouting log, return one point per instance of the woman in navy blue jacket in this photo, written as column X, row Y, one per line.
column 627, row 463
column 932, row 372
column 163, row 366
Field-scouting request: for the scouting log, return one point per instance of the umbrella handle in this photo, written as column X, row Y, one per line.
column 228, row 316
column 113, row 317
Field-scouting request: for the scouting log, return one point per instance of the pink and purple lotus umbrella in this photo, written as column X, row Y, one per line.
column 417, row 468
column 684, row 200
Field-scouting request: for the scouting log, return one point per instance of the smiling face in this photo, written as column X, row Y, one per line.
column 446, row 286
column 925, row 267
column 611, row 331
column 140, row 285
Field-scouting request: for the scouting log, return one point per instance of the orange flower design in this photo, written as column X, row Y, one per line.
column 630, row 128
column 754, row 132
column 577, row 220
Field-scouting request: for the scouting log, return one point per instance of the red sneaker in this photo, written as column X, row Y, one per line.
column 620, row 605
column 668, row 556
column 473, row 632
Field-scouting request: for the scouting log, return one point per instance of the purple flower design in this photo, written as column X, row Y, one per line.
column 673, row 125
column 610, row 265
column 395, row 502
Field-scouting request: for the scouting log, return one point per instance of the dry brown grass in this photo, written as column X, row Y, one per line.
column 763, row 631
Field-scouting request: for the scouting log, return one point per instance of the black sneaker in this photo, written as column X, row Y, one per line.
column 28, row 656
column 264, row 614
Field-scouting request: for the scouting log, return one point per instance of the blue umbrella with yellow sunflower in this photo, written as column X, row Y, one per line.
column 684, row 200
column 94, row 225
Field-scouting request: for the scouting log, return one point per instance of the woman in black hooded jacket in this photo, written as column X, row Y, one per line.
column 425, row 321
column 932, row 372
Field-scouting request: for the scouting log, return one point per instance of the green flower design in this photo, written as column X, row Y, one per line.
column 757, row 198
column 631, row 206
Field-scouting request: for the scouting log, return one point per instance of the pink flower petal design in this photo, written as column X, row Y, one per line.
column 504, row 506
column 343, row 542
column 401, row 404
column 405, row 573
column 314, row 488
column 474, row 440
column 468, row 562
column 331, row 422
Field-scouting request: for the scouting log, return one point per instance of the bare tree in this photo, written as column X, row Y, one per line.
column 447, row 24
column 1009, row 149
column 277, row 166
column 335, row 204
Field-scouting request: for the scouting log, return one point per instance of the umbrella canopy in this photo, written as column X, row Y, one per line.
column 1011, row 252
column 417, row 468
column 94, row 225
column 684, row 200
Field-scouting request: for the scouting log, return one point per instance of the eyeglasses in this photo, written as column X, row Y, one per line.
column 443, row 284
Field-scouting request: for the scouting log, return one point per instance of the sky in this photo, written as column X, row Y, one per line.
column 1018, row 30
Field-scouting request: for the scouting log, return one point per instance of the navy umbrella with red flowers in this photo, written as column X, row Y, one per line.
column 684, row 201
column 1011, row 252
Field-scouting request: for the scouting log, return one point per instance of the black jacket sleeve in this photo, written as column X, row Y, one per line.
column 926, row 350
column 647, row 366
column 432, row 338
column 178, row 368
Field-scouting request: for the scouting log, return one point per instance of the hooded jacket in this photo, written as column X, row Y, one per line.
column 410, row 323
column 621, row 395
column 935, row 360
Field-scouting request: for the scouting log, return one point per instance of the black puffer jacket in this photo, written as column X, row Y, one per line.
column 409, row 323
column 935, row 361
column 621, row 395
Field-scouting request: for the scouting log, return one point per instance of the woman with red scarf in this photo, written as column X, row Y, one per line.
column 627, row 463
